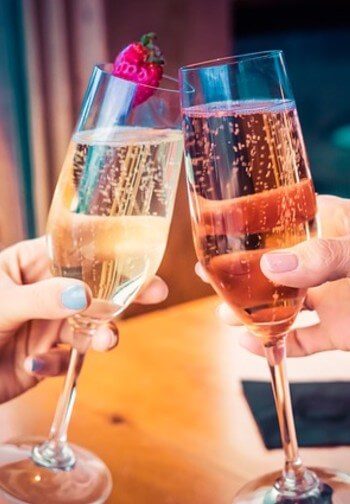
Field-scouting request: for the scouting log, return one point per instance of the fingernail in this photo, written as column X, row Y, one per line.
column 198, row 269
column 164, row 292
column 112, row 340
column 156, row 292
column 74, row 297
column 280, row 262
column 105, row 340
column 32, row 365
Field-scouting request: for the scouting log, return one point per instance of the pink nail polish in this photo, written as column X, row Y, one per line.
column 280, row 262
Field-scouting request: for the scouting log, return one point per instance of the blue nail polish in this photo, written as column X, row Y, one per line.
column 37, row 365
column 74, row 298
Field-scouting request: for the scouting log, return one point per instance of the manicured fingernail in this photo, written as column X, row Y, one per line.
column 112, row 339
column 280, row 262
column 198, row 269
column 74, row 297
column 32, row 365
column 156, row 292
column 104, row 340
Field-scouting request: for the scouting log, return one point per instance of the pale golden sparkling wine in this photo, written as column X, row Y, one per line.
column 110, row 216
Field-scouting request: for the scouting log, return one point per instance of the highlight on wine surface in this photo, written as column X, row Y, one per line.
column 251, row 192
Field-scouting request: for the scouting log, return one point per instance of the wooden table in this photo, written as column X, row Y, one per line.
column 166, row 412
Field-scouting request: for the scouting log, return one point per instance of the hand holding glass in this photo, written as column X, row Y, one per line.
column 108, row 226
column 250, row 192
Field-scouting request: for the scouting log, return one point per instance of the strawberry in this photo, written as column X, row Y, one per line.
column 141, row 62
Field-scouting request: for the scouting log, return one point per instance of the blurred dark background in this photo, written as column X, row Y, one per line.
column 47, row 50
column 315, row 36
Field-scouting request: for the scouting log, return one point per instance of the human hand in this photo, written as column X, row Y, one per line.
column 34, row 307
column 323, row 266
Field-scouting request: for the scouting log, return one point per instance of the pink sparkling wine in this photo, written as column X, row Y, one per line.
column 250, row 192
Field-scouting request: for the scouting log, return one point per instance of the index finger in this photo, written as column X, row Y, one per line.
column 27, row 261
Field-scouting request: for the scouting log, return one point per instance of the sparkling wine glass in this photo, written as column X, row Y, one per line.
column 250, row 191
column 108, row 226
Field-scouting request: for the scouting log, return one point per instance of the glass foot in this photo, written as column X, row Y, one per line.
column 22, row 481
column 334, row 488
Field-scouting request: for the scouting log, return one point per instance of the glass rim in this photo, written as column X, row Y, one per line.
column 232, row 60
column 101, row 68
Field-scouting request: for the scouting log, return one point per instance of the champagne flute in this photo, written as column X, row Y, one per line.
column 250, row 191
column 108, row 226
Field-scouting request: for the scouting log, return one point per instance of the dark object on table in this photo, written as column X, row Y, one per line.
column 321, row 410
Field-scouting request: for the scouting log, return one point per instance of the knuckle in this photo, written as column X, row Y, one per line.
column 331, row 254
column 324, row 251
column 345, row 218
column 343, row 259
column 341, row 219
column 39, row 299
column 317, row 254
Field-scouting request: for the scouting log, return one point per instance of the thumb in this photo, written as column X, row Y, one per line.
column 308, row 264
column 54, row 298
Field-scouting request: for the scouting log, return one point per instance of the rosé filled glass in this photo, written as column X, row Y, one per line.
column 266, row 201
column 250, row 192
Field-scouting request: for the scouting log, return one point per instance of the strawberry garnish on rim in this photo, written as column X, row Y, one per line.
column 141, row 62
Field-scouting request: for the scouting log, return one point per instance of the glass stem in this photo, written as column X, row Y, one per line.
column 56, row 453
column 296, row 479
column 63, row 413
